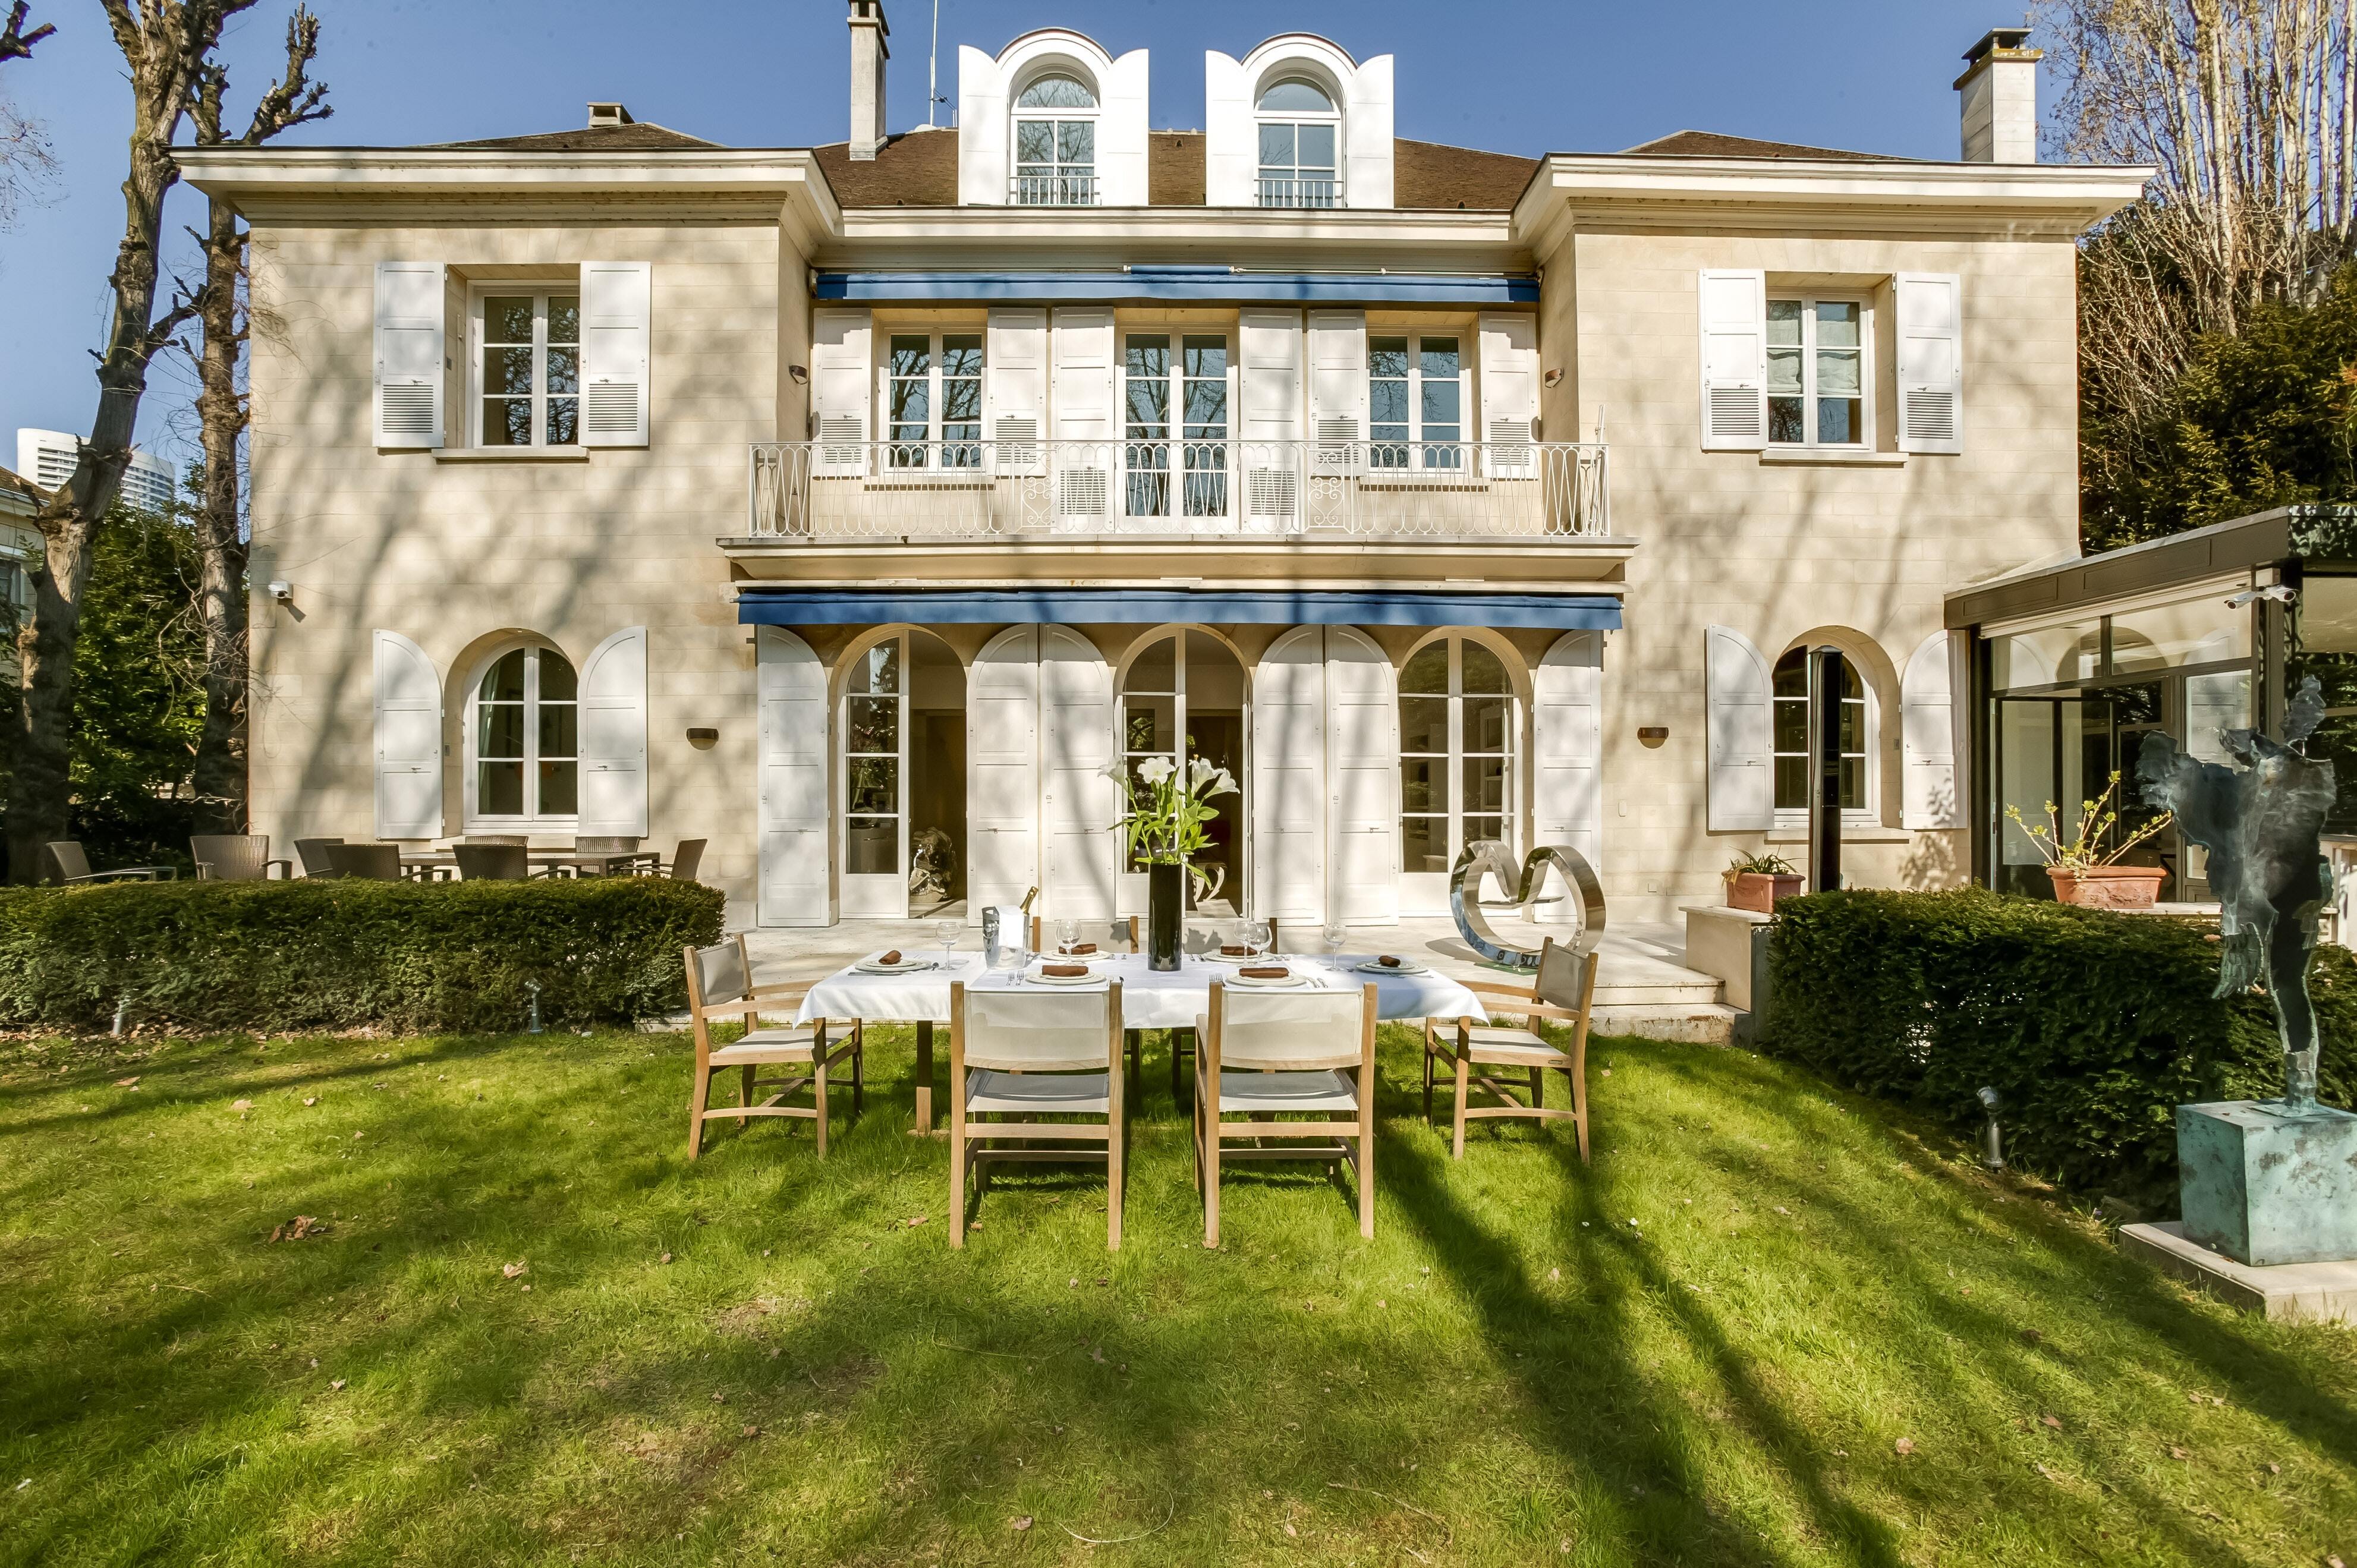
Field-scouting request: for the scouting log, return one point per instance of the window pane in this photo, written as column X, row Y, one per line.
column 1783, row 322
column 1836, row 325
column 507, row 319
column 1783, row 372
column 874, row 784
column 1485, row 828
column 1840, row 421
column 961, row 354
column 1150, row 725
column 564, row 369
column 499, row 789
column 1784, row 422
column 1792, row 676
column 564, row 319
column 559, row 734
column 1791, row 783
column 913, row 353
column 1439, row 356
column 1295, row 96
column 498, row 729
column 1420, row 784
column 1057, row 90
column 564, row 421
column 1424, row 844
column 961, row 399
column 871, row 846
column 503, row 682
column 878, row 668
column 1387, row 357
column 1837, row 373
column 1429, row 670
column 1387, row 409
column 507, row 371
column 560, row 788
column 1440, row 406
column 2190, row 631
column 1485, row 787
column 1156, row 669
column 1205, row 354
column 1034, row 142
column 1316, row 144
column 557, row 681
column 872, row 725
column 1076, row 142
column 1423, row 724
column 1792, row 724
column 912, row 403
column 1277, row 147
column 1853, row 784
column 1482, row 671
column 1852, row 739
column 1486, row 724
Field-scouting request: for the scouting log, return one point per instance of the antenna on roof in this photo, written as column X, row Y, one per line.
column 932, row 68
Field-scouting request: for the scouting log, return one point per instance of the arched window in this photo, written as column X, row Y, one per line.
column 1792, row 676
column 1183, row 698
column 524, row 728
column 1300, row 138
column 1457, row 755
column 1055, row 143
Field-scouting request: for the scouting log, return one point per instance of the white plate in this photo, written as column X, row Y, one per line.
column 1294, row 981
column 1407, row 966
column 906, row 966
column 1035, row 977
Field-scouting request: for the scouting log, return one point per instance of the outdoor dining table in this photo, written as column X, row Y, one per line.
column 1150, row 998
column 442, row 859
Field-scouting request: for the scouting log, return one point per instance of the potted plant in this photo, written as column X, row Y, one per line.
column 2083, row 870
column 1755, row 882
column 1163, row 827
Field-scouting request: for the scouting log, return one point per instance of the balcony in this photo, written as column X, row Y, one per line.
column 1065, row 189
column 1326, row 191
column 1198, row 492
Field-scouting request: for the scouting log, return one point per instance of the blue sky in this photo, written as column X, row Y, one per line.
column 1509, row 75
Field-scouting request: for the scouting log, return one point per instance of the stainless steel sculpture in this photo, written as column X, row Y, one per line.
column 1489, row 857
column 2261, row 825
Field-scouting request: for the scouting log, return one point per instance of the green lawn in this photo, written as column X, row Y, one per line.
column 1825, row 1339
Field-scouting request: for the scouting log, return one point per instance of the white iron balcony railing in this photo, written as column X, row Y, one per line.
column 1325, row 191
column 1066, row 189
column 849, row 489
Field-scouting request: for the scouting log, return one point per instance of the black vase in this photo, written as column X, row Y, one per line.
column 1164, row 915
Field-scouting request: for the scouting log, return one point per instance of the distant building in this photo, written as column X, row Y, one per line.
column 48, row 457
column 18, row 540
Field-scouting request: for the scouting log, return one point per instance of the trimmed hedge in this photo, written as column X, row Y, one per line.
column 341, row 953
column 2093, row 1027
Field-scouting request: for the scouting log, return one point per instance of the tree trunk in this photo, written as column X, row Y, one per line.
column 221, row 766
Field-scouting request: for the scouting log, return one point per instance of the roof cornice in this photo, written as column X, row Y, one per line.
column 1745, row 192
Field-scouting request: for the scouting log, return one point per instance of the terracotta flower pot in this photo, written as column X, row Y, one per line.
column 2108, row 886
column 1759, row 891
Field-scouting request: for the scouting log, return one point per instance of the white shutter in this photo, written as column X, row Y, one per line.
column 1930, row 362
column 1338, row 390
column 617, row 309
column 839, row 358
column 1081, row 801
column 790, row 690
column 1001, row 753
column 1289, row 779
column 1568, row 771
column 1510, row 396
column 1268, row 398
column 1363, row 756
column 1015, row 394
column 1085, row 419
column 1929, row 739
column 408, row 740
column 1734, row 312
column 407, row 381
column 1741, row 726
column 614, row 737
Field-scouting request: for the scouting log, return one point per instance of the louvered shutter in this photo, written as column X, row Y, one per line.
column 1567, row 766
column 408, row 742
column 1338, row 390
column 1510, row 396
column 1930, row 362
column 1015, row 390
column 1080, row 799
column 1363, row 745
column 1001, row 769
column 1085, row 419
column 406, row 386
column 792, row 691
column 616, row 307
column 1268, row 394
column 1742, row 779
column 1734, row 310
column 1930, row 743
column 1289, row 779
column 613, row 742
column 839, row 359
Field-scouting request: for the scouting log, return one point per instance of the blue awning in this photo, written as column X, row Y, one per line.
column 760, row 604
column 1199, row 283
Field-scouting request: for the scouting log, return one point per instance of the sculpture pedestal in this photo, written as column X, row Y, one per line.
column 2264, row 1186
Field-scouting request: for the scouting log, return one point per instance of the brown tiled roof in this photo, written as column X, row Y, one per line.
column 1711, row 145
column 631, row 138
column 1426, row 174
column 15, row 483
column 916, row 168
column 1173, row 168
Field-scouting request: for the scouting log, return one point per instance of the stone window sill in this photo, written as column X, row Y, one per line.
column 1851, row 833
column 511, row 453
column 1831, row 458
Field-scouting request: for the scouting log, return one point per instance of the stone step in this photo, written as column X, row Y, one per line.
column 1700, row 1024
column 1700, row 991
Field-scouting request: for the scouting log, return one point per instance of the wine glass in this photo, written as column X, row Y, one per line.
column 1256, row 938
column 1336, row 935
column 947, row 932
column 1068, row 935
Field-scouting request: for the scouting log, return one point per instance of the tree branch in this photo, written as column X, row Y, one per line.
column 14, row 42
column 293, row 99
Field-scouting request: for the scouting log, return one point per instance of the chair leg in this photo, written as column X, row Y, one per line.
column 818, row 1085
column 957, row 1162
column 1457, row 1137
column 1428, row 1072
column 1367, row 1154
column 1538, row 1087
column 858, row 1070
column 1579, row 1112
column 1115, row 1146
column 1175, row 1054
column 1212, row 1181
column 696, row 1099
column 745, row 1091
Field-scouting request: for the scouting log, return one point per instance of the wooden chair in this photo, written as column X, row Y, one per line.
column 312, row 854
column 720, row 985
column 1271, row 1053
column 73, row 867
column 366, row 862
column 491, row 862
column 684, row 862
column 235, row 857
column 1564, row 989
column 1027, row 1055
column 1118, row 935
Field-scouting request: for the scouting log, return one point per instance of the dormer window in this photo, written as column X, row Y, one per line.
column 1300, row 138
column 1055, row 143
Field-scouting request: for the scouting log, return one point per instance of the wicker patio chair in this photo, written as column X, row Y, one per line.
column 720, row 985
column 1271, row 1053
column 1564, row 989
column 1025, row 1055
column 235, row 857
column 492, row 862
column 609, row 857
column 73, row 867
column 312, row 854
column 369, row 861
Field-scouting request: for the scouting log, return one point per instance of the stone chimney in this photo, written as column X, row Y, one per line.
column 869, row 52
column 1998, row 95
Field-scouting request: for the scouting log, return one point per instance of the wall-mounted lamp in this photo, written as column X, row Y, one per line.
column 704, row 739
column 801, row 374
column 283, row 592
column 1650, row 736
column 1554, row 375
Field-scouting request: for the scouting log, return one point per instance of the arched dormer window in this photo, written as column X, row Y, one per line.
column 1055, row 143
column 1300, row 144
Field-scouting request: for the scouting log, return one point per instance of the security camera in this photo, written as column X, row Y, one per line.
column 2279, row 593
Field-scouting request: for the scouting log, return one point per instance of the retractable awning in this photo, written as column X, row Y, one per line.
column 761, row 604
column 1208, row 284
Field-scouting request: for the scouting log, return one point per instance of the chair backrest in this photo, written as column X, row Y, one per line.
column 1037, row 1031
column 491, row 862
column 371, row 861
column 1292, row 1030
column 1115, row 935
column 1562, row 979
column 71, row 860
column 685, row 859
column 589, row 849
column 519, row 840
column 230, row 857
column 719, row 974
column 312, row 854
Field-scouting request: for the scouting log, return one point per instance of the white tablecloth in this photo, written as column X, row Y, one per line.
column 1149, row 999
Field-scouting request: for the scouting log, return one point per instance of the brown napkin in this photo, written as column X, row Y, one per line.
column 892, row 957
column 1263, row 972
column 1388, row 962
column 1231, row 950
column 1077, row 948
column 1064, row 971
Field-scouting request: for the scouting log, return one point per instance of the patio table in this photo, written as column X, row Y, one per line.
column 1151, row 999
column 442, row 859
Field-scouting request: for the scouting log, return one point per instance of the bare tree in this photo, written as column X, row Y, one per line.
column 292, row 100
column 26, row 161
column 166, row 47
